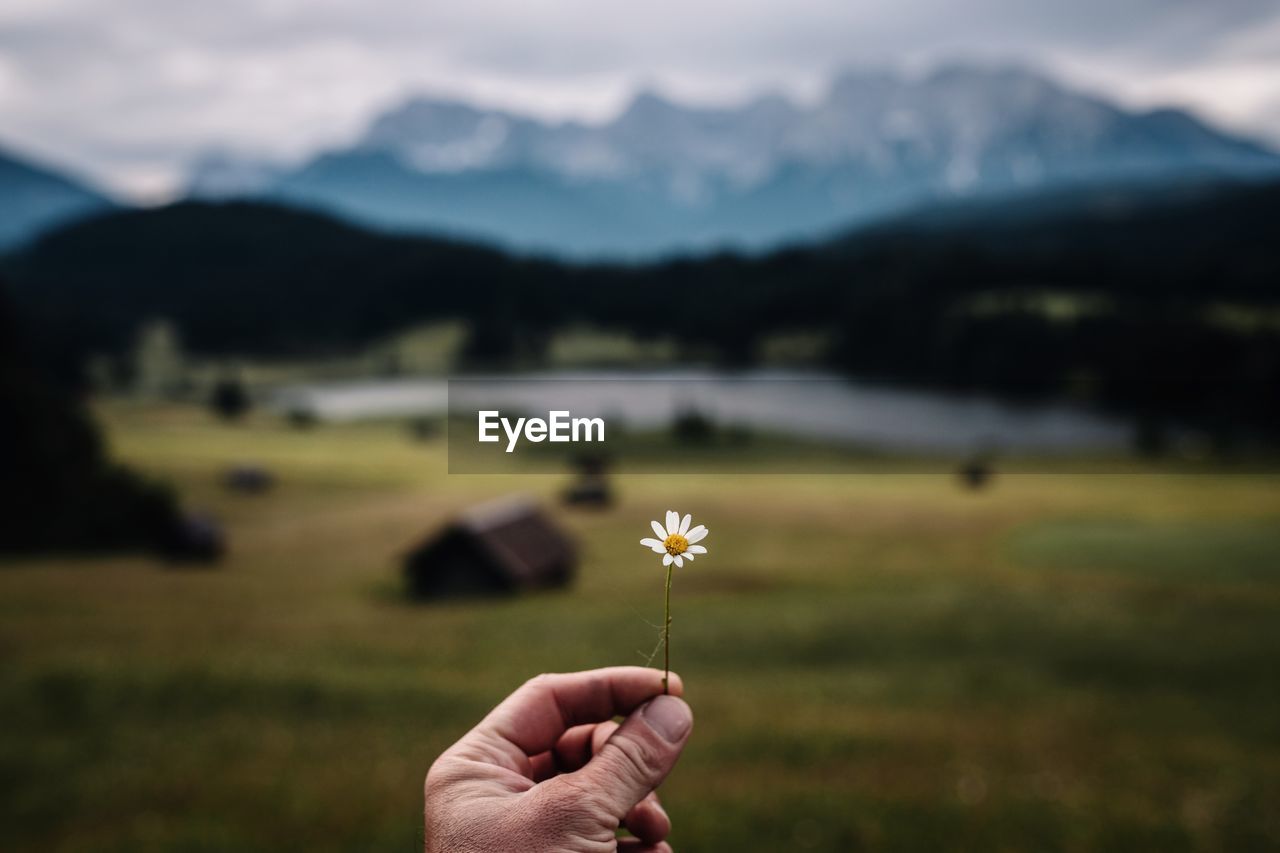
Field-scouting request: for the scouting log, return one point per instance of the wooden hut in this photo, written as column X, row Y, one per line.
column 590, row 489
column 249, row 479
column 499, row 548
column 195, row 538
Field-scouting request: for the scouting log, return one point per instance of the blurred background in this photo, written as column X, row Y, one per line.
column 958, row 326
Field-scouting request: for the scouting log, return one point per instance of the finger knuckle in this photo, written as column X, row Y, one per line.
column 635, row 758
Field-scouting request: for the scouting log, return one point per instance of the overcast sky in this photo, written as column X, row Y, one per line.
column 129, row 91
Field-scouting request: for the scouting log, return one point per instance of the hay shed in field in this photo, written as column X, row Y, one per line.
column 499, row 548
column 591, row 488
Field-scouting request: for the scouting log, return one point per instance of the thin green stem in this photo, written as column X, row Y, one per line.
column 666, row 636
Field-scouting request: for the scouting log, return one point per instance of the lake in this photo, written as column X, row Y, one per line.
column 801, row 404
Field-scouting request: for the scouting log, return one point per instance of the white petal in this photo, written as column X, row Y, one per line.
column 697, row 534
column 673, row 522
column 696, row 549
column 679, row 563
column 654, row 544
column 687, row 556
column 666, row 561
column 684, row 523
column 657, row 528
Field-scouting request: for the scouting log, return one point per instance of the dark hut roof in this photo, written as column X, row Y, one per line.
column 520, row 538
column 511, row 542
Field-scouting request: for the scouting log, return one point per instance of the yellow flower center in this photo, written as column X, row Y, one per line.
column 675, row 544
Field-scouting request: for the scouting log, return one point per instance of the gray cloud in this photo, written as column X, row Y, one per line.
column 130, row 90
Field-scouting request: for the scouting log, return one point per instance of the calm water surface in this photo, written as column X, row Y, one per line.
column 803, row 404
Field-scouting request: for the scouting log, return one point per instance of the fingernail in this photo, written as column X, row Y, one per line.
column 669, row 717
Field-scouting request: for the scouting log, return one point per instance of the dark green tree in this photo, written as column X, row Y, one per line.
column 60, row 491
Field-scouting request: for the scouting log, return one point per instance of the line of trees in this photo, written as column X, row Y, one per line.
column 1168, row 307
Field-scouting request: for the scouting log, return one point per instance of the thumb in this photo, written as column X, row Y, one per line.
column 638, row 756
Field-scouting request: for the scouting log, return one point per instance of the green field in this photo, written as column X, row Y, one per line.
column 877, row 662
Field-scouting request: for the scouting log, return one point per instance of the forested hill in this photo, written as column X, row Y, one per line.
column 1020, row 297
column 1196, row 239
column 245, row 278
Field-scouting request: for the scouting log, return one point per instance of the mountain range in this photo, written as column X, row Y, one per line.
column 34, row 199
column 663, row 177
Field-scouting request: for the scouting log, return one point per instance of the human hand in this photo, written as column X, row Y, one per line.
column 548, row 770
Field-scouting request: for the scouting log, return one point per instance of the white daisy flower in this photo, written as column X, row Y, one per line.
column 676, row 542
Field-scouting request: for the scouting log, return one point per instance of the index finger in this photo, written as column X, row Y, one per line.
column 534, row 717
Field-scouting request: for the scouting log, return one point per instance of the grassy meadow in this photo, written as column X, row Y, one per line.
column 880, row 662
